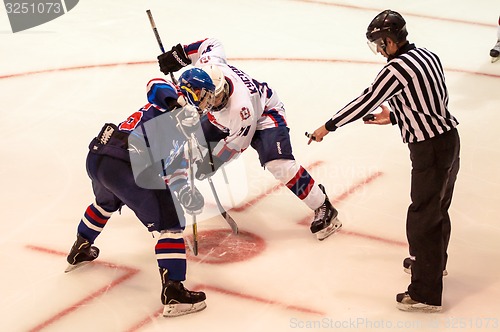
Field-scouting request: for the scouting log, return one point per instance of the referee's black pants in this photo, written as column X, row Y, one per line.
column 435, row 165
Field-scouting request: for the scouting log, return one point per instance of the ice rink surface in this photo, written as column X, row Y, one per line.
column 61, row 81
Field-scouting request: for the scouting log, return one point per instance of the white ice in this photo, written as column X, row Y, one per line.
column 314, row 54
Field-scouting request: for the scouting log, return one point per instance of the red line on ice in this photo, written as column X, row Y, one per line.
column 63, row 69
column 269, row 191
column 133, row 63
column 343, row 196
column 240, row 295
column 335, row 200
column 374, row 238
column 129, row 273
column 261, row 300
column 452, row 20
column 146, row 321
column 356, row 187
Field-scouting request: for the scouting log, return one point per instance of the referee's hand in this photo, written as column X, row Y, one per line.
column 381, row 118
column 318, row 134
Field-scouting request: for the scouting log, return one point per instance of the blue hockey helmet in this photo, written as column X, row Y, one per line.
column 198, row 88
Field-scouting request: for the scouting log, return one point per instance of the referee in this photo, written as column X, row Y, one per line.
column 413, row 84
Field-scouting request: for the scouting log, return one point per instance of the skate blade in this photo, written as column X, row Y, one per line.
column 72, row 267
column 493, row 60
column 418, row 307
column 333, row 228
column 179, row 309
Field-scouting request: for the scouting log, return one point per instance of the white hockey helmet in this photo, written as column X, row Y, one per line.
column 221, row 86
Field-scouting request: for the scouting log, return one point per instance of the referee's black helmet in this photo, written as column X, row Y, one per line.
column 387, row 24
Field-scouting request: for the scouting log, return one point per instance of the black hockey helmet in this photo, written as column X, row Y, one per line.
column 387, row 24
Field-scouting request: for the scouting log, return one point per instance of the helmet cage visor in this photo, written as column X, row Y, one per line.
column 207, row 99
column 221, row 96
column 376, row 45
column 202, row 98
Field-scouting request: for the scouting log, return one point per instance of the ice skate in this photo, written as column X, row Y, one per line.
column 81, row 253
column 495, row 52
column 325, row 219
column 406, row 303
column 407, row 265
column 177, row 300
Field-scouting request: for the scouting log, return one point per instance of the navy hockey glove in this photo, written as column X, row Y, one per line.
column 207, row 168
column 173, row 60
column 192, row 202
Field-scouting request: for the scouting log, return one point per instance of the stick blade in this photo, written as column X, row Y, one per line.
column 195, row 247
column 231, row 222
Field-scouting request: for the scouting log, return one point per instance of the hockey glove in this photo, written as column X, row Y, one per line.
column 192, row 202
column 188, row 119
column 173, row 60
column 207, row 168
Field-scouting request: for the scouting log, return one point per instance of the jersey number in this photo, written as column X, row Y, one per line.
column 263, row 88
column 244, row 131
column 132, row 121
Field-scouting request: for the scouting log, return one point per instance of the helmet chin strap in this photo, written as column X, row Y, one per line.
column 222, row 103
column 383, row 46
column 224, row 99
column 191, row 93
column 400, row 47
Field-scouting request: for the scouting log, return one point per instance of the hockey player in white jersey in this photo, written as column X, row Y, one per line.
column 247, row 112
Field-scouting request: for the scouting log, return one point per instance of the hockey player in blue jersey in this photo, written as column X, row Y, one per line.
column 154, row 188
column 248, row 112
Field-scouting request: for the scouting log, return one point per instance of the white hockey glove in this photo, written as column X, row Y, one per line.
column 191, row 116
column 188, row 119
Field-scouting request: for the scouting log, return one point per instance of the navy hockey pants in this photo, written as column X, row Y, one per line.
column 114, row 186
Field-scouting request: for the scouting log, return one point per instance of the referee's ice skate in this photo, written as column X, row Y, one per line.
column 495, row 52
column 325, row 221
column 404, row 302
column 81, row 253
column 177, row 300
column 408, row 261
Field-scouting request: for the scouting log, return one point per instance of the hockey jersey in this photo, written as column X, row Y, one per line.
column 149, row 138
column 252, row 104
column 159, row 92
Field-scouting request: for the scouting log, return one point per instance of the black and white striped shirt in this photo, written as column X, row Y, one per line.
column 413, row 84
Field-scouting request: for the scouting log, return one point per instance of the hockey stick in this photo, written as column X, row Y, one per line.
column 158, row 39
column 226, row 180
column 191, row 180
column 223, row 212
column 190, row 143
column 225, row 215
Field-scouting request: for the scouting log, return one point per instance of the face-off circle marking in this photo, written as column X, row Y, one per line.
column 221, row 246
